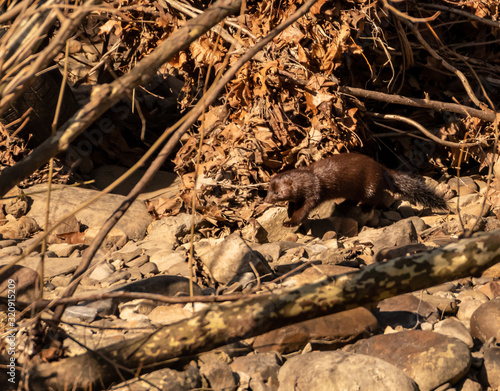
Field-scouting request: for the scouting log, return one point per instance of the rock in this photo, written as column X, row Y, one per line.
column 148, row 268
column 391, row 215
column 493, row 271
column 127, row 253
column 270, row 251
column 270, row 226
column 102, row 271
column 485, row 321
column 331, row 332
column 166, row 259
column 168, row 314
column 53, row 266
column 472, row 294
column 219, row 376
column 115, row 239
column 491, row 369
column 469, row 385
column 429, row 358
column 445, row 303
column 138, row 262
column 446, row 287
column 164, row 184
column 398, row 234
column 66, row 249
column 406, row 311
column 10, row 251
column 120, row 276
column 79, row 312
column 491, row 289
column 162, row 285
column 464, row 201
column 19, row 229
column 15, row 203
column 313, row 274
column 164, row 379
column 452, row 327
column 341, row 225
column 7, row 243
column 260, row 368
column 467, row 308
column 68, row 226
column 340, row 371
column 65, row 199
column 168, row 229
column 19, row 281
column 230, row 260
column 466, row 185
column 399, row 251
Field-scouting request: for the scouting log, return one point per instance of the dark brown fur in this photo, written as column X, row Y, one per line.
column 352, row 176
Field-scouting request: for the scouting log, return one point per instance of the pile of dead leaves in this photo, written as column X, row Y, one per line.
column 304, row 96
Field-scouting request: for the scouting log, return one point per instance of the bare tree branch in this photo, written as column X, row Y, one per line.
column 105, row 96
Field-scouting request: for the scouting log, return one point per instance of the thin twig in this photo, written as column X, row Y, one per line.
column 486, row 115
column 424, row 130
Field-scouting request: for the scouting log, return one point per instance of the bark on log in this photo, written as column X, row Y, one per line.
column 222, row 324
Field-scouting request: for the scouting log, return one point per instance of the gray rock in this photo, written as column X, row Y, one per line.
column 164, row 260
column 65, row 249
column 22, row 228
column 164, row 184
column 464, row 200
column 102, row 271
column 115, row 239
column 169, row 229
column 491, row 369
column 53, row 266
column 452, row 327
column 20, row 281
column 466, row 185
column 469, row 385
column 85, row 313
column 219, row 375
column 467, row 308
column 10, row 251
column 162, row 285
column 270, row 226
column 148, row 268
column 485, row 321
column 406, row 311
column 127, row 253
column 230, row 260
column 65, row 199
column 262, row 367
column 447, row 305
column 138, row 262
column 7, row 243
column 340, row 371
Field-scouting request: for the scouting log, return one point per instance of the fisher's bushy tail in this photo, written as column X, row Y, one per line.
column 415, row 190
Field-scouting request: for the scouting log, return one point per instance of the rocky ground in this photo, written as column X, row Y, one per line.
column 441, row 338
